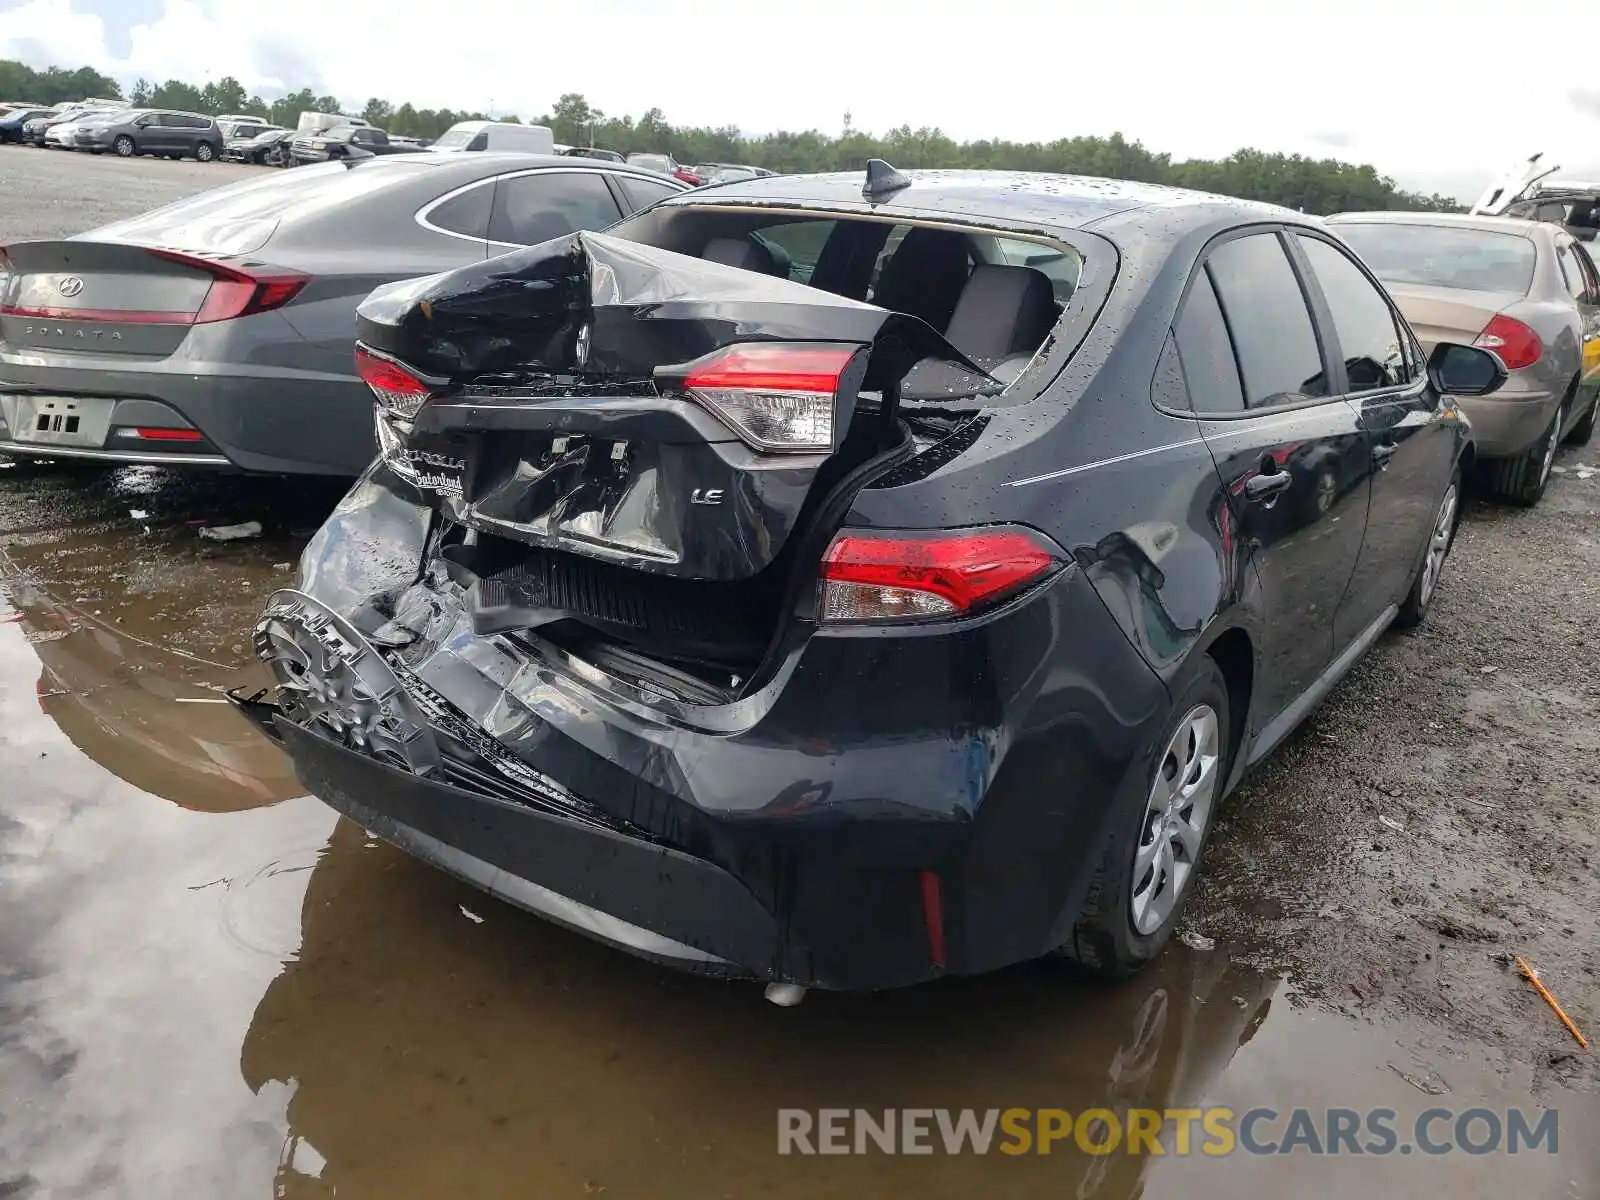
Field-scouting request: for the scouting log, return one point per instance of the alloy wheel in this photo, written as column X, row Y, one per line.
column 1176, row 815
column 1439, row 543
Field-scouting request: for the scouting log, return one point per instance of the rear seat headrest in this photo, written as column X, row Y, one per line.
column 740, row 252
column 1003, row 311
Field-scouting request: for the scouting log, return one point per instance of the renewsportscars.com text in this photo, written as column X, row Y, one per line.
column 1214, row 1132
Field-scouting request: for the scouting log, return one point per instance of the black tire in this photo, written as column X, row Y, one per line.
column 1584, row 429
column 124, row 146
column 1105, row 939
column 205, row 152
column 1522, row 480
column 1423, row 586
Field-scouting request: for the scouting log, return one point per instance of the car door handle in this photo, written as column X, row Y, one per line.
column 1381, row 454
column 1267, row 487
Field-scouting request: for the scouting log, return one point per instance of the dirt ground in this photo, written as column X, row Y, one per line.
column 210, row 986
column 1438, row 815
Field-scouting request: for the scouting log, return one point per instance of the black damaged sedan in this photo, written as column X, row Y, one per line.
column 843, row 584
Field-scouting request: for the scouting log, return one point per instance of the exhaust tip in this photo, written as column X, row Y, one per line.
column 785, row 995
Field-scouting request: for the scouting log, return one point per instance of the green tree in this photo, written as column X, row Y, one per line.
column 572, row 118
column 378, row 112
column 142, row 91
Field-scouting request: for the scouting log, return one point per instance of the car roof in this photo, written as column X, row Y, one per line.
column 1010, row 197
column 466, row 167
column 1517, row 225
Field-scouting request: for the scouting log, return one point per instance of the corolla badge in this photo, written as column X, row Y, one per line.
column 69, row 286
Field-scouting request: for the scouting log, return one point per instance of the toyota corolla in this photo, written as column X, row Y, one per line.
column 840, row 584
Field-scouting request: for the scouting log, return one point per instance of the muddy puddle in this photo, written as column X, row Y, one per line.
column 212, row 987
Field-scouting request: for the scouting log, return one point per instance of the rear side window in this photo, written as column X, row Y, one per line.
column 1572, row 272
column 642, row 193
column 1205, row 353
column 466, row 214
column 529, row 209
column 1369, row 339
column 1266, row 312
column 1591, row 282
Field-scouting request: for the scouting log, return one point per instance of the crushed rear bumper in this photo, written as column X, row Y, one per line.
column 647, row 899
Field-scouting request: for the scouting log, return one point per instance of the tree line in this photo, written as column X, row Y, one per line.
column 1315, row 185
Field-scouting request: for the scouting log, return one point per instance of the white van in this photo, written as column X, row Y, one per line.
column 496, row 135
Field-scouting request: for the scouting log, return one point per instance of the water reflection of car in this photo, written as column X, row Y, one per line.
column 128, row 708
column 470, row 1047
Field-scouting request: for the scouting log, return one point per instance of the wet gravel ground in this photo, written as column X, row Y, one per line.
column 209, row 986
column 1437, row 816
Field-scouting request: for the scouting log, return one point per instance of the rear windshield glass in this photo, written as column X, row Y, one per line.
column 1443, row 256
column 995, row 298
column 239, row 218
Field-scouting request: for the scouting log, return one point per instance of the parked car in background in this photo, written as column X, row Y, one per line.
column 1526, row 290
column 270, row 148
column 243, row 127
column 901, row 623
column 665, row 164
column 343, row 141
column 495, row 135
column 12, row 122
column 727, row 172
column 163, row 132
column 216, row 331
column 57, row 134
column 591, row 152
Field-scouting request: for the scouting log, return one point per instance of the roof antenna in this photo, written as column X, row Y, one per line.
column 883, row 181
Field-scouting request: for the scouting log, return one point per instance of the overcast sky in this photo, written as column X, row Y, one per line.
column 1422, row 90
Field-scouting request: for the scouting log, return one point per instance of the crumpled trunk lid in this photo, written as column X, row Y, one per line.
column 561, row 416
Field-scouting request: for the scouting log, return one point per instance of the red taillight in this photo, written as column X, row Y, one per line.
column 401, row 390
column 871, row 576
column 777, row 396
column 234, row 292
column 1515, row 343
column 688, row 177
column 170, row 435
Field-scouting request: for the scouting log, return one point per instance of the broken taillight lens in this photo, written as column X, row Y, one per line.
column 902, row 576
column 775, row 396
column 399, row 389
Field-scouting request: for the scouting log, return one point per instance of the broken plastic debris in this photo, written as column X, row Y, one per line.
column 232, row 533
column 138, row 514
column 1197, row 941
column 1487, row 670
column 1431, row 1084
column 283, row 566
column 1390, row 823
column 470, row 915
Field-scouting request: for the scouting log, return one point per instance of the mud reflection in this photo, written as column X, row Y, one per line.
column 441, row 1043
column 148, row 717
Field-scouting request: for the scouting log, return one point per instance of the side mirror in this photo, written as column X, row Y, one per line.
column 1459, row 370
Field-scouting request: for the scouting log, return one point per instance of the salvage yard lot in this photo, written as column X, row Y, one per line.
column 177, row 911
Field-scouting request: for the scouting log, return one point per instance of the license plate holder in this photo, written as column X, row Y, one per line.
column 75, row 421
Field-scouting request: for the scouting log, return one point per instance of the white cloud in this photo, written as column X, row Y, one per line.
column 1421, row 97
